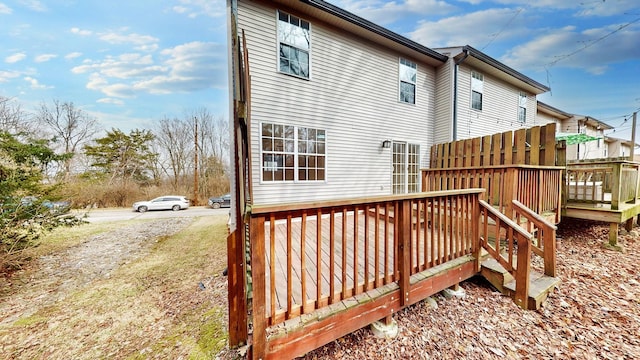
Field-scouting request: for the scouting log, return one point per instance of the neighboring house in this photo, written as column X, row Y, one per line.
column 478, row 95
column 328, row 89
column 593, row 147
column 616, row 147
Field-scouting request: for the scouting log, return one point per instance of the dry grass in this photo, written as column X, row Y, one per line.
column 151, row 307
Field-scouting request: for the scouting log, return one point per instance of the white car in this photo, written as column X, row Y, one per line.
column 169, row 202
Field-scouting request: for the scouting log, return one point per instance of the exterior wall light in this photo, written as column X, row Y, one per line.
column 386, row 144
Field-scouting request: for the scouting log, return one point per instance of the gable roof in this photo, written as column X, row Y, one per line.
column 548, row 109
column 352, row 23
column 487, row 64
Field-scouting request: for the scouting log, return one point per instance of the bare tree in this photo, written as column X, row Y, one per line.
column 12, row 119
column 71, row 127
column 174, row 140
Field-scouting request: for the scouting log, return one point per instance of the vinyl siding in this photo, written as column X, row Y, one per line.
column 444, row 103
column 352, row 93
column 499, row 107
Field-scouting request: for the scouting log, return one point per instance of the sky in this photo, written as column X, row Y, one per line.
column 130, row 64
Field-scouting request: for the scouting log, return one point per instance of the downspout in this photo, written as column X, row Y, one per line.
column 455, row 94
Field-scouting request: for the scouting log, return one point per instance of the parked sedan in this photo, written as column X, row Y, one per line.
column 169, row 202
column 222, row 201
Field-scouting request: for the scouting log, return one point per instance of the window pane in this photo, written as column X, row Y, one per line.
column 476, row 100
column 289, row 146
column 278, row 145
column 289, row 132
column 267, row 129
column 289, row 161
column 407, row 93
column 278, row 175
column 302, row 174
column 320, row 148
column 289, row 175
column 267, row 144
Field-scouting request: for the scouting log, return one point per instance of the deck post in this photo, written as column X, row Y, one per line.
column 404, row 255
column 236, row 278
column 613, row 234
column 615, row 185
column 259, row 302
column 549, row 243
column 522, row 272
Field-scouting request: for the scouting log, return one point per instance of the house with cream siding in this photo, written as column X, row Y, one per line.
column 616, row 147
column 478, row 95
column 567, row 123
column 340, row 107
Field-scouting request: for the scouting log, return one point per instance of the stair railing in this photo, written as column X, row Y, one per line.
column 544, row 235
column 505, row 240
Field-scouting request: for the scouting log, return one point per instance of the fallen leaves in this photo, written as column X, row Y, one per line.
column 594, row 314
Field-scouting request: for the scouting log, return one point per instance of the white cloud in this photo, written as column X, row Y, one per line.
column 385, row 12
column 188, row 67
column 141, row 42
column 476, row 29
column 4, row 9
column 8, row 75
column 34, row 5
column 11, row 59
column 34, row 83
column 580, row 8
column 110, row 101
column 72, row 55
column 80, row 32
column 195, row 8
column 45, row 57
column 592, row 49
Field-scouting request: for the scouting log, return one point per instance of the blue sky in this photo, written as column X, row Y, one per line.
column 132, row 63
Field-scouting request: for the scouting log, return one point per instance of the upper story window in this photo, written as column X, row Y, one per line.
column 291, row 153
column 522, row 107
column 477, row 87
column 294, row 44
column 408, row 73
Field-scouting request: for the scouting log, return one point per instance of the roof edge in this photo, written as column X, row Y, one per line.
column 377, row 29
column 504, row 68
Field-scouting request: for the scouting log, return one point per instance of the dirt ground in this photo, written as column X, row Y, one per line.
column 133, row 292
column 101, row 300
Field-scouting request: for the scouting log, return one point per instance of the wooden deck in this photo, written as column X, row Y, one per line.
column 351, row 252
column 322, row 270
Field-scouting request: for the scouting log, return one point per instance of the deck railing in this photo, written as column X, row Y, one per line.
column 308, row 256
column 602, row 182
column 510, row 245
column 537, row 187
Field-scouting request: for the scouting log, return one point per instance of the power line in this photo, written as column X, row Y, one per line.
column 588, row 45
column 503, row 28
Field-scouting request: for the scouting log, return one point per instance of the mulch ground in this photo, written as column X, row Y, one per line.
column 593, row 314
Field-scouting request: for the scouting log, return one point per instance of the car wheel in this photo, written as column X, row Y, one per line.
column 216, row 205
column 175, row 207
column 142, row 209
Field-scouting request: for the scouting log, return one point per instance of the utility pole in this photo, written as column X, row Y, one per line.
column 633, row 136
column 195, row 166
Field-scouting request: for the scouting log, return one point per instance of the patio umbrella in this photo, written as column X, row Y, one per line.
column 572, row 138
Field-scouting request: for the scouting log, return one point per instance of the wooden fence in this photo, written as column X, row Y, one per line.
column 534, row 146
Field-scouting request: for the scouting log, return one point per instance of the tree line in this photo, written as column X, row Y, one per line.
column 60, row 151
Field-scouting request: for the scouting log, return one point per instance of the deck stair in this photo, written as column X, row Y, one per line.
column 540, row 285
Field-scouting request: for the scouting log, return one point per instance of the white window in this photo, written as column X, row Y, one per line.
column 294, row 44
column 477, row 88
column 291, row 153
column 408, row 73
column 522, row 108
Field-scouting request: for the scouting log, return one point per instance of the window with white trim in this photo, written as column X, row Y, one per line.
column 477, row 87
column 291, row 153
column 408, row 74
column 522, row 108
column 294, row 45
